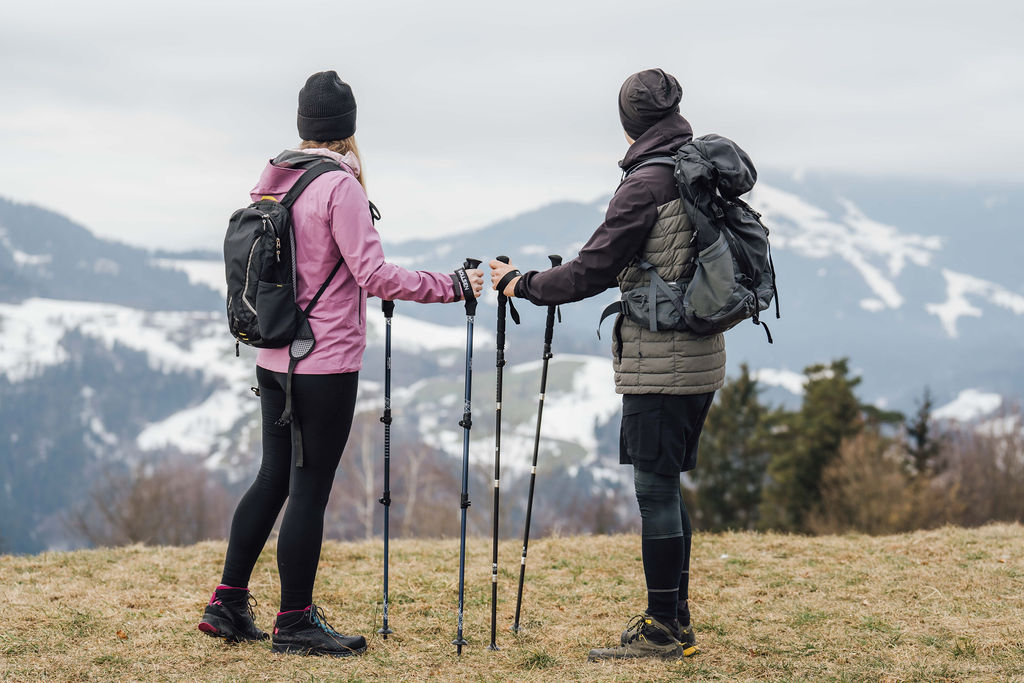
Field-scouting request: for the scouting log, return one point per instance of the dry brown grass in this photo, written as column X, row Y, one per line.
column 926, row 606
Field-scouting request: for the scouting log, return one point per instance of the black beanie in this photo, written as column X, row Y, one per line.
column 327, row 108
column 646, row 98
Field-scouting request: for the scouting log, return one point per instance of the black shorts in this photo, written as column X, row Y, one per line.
column 660, row 432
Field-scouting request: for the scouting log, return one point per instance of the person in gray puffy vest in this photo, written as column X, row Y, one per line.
column 667, row 378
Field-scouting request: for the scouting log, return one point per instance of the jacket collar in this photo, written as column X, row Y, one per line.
column 661, row 139
column 302, row 158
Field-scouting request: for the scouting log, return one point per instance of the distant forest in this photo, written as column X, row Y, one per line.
column 833, row 465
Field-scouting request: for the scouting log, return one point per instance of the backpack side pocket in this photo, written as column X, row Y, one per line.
column 276, row 313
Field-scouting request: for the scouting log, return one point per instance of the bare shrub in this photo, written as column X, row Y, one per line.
column 982, row 471
column 975, row 477
column 425, row 486
column 170, row 503
column 865, row 489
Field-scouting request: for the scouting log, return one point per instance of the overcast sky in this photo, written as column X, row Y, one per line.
column 150, row 121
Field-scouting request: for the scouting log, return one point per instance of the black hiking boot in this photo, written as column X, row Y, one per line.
column 645, row 636
column 229, row 615
column 683, row 634
column 306, row 632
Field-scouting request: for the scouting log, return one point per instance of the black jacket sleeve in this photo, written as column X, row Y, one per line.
column 631, row 214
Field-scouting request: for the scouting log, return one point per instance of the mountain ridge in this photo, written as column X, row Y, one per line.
column 906, row 302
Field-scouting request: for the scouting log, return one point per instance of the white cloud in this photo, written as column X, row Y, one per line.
column 970, row 404
column 473, row 111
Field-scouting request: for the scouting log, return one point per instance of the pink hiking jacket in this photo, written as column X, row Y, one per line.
column 331, row 218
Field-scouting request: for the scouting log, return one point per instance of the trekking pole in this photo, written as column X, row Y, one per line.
column 389, row 308
column 549, row 327
column 499, row 363
column 466, row 423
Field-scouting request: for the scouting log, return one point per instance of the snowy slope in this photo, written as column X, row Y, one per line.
column 898, row 286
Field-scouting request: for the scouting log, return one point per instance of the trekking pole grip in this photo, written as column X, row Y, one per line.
column 388, row 307
column 470, row 264
column 502, row 300
column 549, row 327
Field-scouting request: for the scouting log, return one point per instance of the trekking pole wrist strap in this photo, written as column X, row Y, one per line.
column 465, row 287
column 507, row 278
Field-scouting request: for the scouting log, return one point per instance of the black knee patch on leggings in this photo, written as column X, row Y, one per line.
column 659, row 500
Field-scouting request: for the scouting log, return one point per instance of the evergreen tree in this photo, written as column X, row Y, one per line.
column 808, row 442
column 733, row 457
column 922, row 443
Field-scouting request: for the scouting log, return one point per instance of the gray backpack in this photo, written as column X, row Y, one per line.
column 734, row 277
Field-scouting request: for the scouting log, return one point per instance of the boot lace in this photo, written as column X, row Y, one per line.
column 635, row 626
column 250, row 604
column 316, row 615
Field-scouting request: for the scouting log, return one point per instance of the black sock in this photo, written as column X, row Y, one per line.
column 683, row 608
column 663, row 559
column 683, row 614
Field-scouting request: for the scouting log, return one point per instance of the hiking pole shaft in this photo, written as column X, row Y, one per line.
column 389, row 308
column 466, row 424
column 549, row 327
column 499, row 365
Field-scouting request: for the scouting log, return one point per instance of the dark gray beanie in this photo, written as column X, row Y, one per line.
column 646, row 98
column 327, row 108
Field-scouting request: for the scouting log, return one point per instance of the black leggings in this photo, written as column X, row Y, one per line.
column 666, row 535
column 325, row 404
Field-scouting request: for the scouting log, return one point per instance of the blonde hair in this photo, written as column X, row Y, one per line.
column 341, row 147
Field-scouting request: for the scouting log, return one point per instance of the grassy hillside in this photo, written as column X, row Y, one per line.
column 929, row 606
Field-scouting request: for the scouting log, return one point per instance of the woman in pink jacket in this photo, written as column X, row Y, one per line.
column 331, row 220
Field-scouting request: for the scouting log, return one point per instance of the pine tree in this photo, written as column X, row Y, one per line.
column 733, row 456
column 922, row 444
column 808, row 442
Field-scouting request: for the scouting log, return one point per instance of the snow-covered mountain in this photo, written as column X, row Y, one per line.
column 111, row 354
column 919, row 285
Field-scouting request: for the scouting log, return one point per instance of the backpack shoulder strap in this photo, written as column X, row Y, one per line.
column 662, row 161
column 308, row 176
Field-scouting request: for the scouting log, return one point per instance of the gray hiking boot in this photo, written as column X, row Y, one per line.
column 684, row 634
column 645, row 636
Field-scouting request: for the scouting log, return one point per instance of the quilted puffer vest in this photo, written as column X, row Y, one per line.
column 666, row 361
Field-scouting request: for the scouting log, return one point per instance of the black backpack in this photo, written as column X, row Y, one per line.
column 734, row 277
column 259, row 259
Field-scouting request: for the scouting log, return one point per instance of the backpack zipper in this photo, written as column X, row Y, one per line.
column 248, row 271
column 273, row 228
column 248, row 266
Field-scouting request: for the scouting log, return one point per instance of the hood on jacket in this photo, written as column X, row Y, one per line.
column 283, row 170
column 662, row 139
